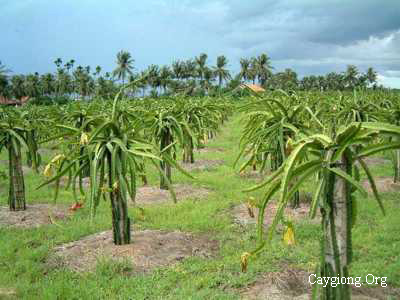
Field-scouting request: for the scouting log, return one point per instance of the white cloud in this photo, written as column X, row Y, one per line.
column 392, row 82
column 382, row 50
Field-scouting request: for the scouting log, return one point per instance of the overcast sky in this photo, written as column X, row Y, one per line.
column 309, row 36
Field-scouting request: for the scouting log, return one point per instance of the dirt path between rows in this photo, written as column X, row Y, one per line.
column 154, row 195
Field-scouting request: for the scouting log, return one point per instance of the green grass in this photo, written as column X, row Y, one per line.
column 23, row 252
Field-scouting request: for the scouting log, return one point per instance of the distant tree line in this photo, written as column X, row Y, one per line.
column 192, row 77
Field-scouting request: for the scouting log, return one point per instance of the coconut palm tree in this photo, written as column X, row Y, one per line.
column 264, row 68
column 32, row 84
column 17, row 86
column 220, row 70
column 47, row 83
column 165, row 77
column 201, row 62
column 371, row 76
column 124, row 65
column 3, row 69
column 3, row 79
column 209, row 77
column 177, row 69
column 351, row 76
column 3, row 85
column 245, row 72
column 253, row 70
column 98, row 71
column 58, row 62
column 153, row 78
column 189, row 69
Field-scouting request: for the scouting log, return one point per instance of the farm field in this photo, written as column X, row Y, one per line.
column 200, row 150
column 195, row 244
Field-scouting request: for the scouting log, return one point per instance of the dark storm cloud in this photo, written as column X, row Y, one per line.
column 317, row 36
column 337, row 22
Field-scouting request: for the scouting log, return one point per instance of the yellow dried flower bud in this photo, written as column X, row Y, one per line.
column 48, row 170
column 244, row 260
column 84, row 138
column 57, row 158
column 250, row 206
column 288, row 236
column 289, row 146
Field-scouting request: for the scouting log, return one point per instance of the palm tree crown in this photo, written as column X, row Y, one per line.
column 124, row 65
column 220, row 71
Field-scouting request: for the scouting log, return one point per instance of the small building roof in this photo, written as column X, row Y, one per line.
column 254, row 87
column 7, row 101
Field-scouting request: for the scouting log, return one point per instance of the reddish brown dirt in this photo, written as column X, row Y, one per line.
column 154, row 195
column 201, row 165
column 34, row 216
column 149, row 249
column 241, row 214
column 383, row 184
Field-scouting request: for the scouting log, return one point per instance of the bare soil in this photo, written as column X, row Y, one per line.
column 201, row 165
column 64, row 182
column 45, row 151
column 34, row 216
column 7, row 293
column 383, row 184
column 242, row 216
column 294, row 284
column 154, row 195
column 149, row 249
column 251, row 174
column 209, row 150
column 376, row 161
column 283, row 285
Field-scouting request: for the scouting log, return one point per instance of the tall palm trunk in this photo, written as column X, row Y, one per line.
column 120, row 219
column 16, row 196
column 336, row 224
